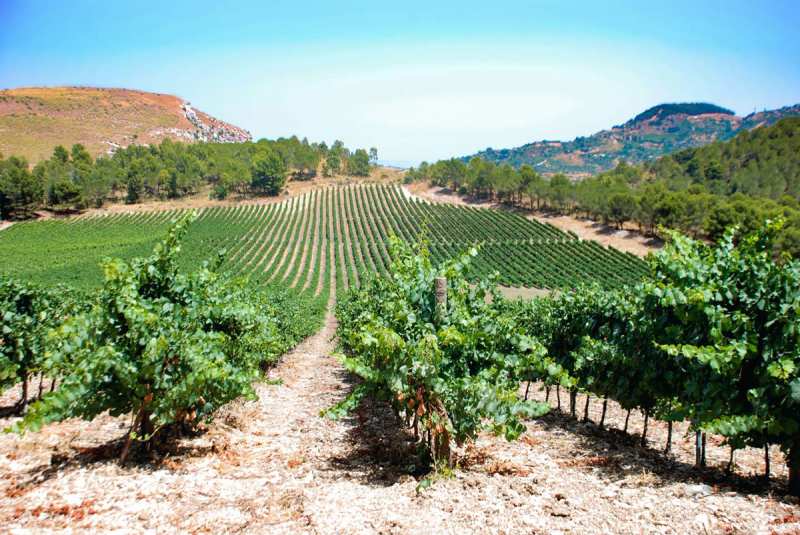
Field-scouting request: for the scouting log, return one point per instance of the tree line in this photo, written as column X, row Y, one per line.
column 700, row 192
column 72, row 179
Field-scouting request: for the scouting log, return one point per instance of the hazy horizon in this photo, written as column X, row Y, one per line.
column 419, row 82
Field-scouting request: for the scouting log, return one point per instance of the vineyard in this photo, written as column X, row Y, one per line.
column 340, row 316
column 427, row 399
column 710, row 338
column 300, row 241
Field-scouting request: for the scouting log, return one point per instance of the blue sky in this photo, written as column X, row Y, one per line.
column 419, row 80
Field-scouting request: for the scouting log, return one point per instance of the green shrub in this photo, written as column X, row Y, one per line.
column 164, row 346
column 452, row 371
column 27, row 312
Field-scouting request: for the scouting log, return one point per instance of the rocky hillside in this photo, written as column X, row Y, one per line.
column 659, row 130
column 33, row 120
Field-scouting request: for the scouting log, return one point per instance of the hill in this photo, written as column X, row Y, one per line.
column 699, row 191
column 687, row 108
column 764, row 162
column 33, row 120
column 702, row 191
column 660, row 130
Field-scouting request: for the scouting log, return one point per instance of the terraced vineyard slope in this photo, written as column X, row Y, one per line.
column 297, row 242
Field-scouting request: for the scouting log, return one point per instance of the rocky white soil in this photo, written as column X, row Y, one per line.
column 275, row 466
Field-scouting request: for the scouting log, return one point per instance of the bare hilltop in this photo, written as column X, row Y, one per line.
column 33, row 120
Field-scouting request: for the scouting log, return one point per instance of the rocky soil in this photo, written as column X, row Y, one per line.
column 275, row 466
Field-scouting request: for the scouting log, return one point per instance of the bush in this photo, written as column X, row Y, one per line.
column 711, row 337
column 165, row 346
column 220, row 192
column 452, row 371
column 27, row 312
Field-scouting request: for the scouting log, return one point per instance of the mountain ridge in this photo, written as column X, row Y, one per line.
column 659, row 130
column 33, row 120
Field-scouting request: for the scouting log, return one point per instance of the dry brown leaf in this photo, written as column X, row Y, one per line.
column 596, row 460
column 530, row 440
column 506, row 468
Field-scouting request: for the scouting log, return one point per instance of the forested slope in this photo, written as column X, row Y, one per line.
column 701, row 192
column 764, row 162
column 660, row 130
column 74, row 180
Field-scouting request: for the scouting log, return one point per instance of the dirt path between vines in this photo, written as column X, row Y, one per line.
column 275, row 466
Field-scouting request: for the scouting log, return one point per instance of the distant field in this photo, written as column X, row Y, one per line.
column 302, row 241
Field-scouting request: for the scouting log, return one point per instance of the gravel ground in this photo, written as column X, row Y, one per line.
column 274, row 466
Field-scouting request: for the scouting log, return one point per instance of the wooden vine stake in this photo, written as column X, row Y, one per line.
column 668, row 447
column 23, row 402
column 586, row 409
column 698, row 450
column 573, row 399
column 703, row 453
column 440, row 289
column 794, row 471
column 439, row 437
column 603, row 415
column 644, row 429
